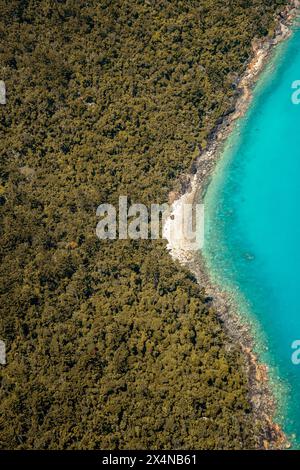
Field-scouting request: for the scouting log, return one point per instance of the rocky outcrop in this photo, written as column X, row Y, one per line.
column 2, row 92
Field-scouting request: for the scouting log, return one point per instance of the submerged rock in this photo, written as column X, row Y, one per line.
column 249, row 256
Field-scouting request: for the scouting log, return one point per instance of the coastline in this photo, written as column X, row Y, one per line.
column 193, row 190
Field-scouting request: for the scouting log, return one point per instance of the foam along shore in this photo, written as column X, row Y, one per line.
column 261, row 397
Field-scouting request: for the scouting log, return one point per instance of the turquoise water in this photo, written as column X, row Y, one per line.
column 252, row 233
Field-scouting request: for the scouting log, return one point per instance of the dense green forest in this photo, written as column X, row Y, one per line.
column 110, row 344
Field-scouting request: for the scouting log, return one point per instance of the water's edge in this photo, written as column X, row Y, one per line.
column 262, row 398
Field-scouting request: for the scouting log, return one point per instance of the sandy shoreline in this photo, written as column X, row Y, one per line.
column 261, row 396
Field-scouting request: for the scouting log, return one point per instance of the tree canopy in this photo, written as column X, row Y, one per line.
column 110, row 344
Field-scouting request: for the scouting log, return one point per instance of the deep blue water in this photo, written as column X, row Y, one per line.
column 252, row 233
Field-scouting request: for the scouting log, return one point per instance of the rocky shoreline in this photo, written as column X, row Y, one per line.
column 193, row 188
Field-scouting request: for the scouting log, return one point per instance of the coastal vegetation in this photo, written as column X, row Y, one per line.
column 111, row 344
